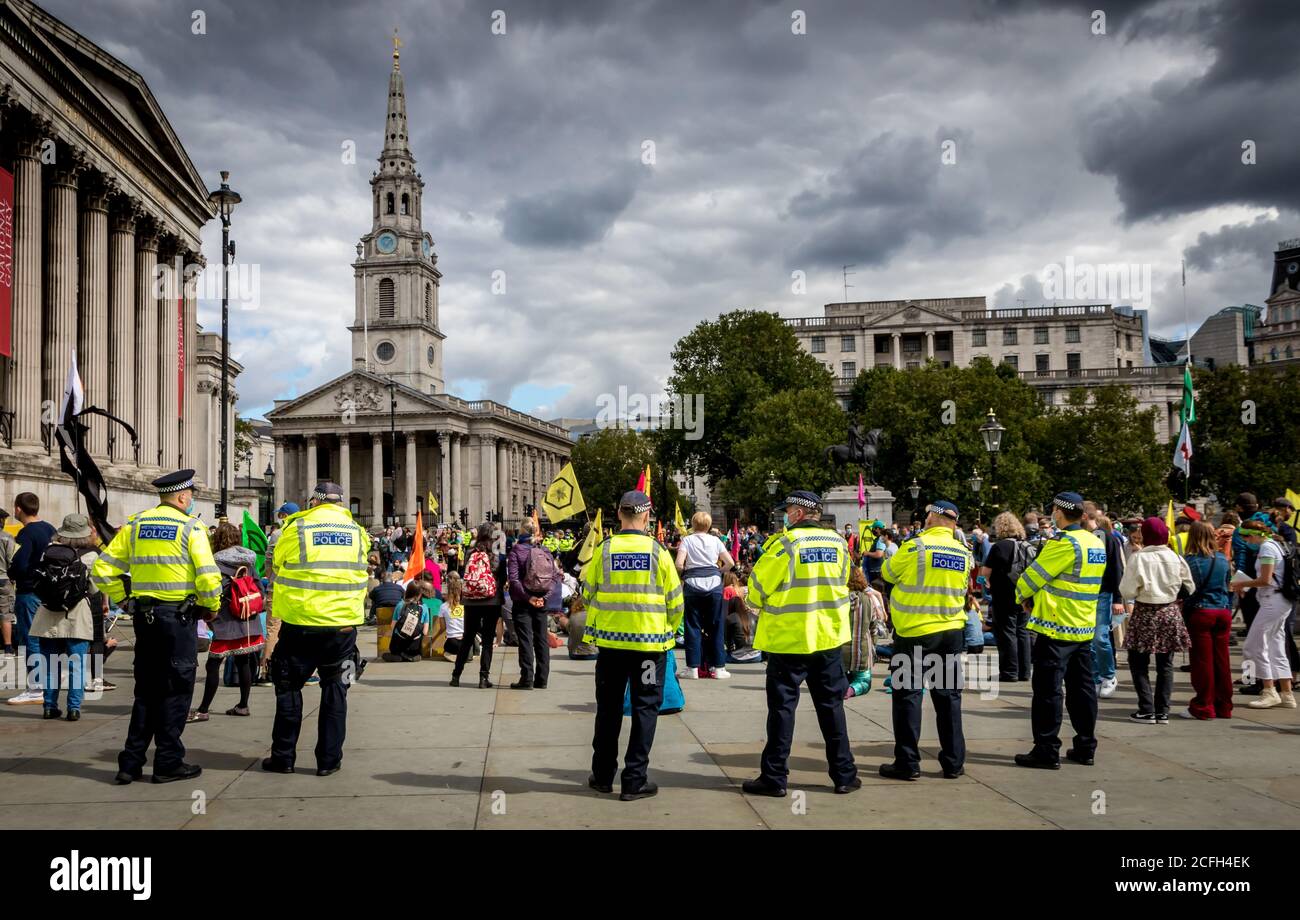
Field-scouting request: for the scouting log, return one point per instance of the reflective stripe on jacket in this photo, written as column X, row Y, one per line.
column 930, row 574
column 319, row 568
column 1064, row 581
column 800, row 586
column 633, row 595
column 167, row 555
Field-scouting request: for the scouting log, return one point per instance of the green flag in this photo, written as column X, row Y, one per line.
column 1189, row 403
column 254, row 539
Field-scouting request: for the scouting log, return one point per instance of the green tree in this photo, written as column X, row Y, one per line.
column 790, row 432
column 1102, row 446
column 1246, row 437
column 608, row 463
column 735, row 363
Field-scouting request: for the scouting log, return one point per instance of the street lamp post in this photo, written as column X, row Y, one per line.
column 915, row 491
column 772, row 485
column 269, row 478
column 224, row 200
column 991, row 431
column 975, row 482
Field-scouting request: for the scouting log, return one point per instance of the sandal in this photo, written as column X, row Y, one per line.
column 238, row 711
column 196, row 716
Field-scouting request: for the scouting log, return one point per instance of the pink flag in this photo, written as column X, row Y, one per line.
column 735, row 539
column 862, row 495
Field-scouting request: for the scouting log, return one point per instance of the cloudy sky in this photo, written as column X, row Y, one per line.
column 943, row 148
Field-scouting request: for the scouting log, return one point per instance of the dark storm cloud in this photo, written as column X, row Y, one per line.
column 1255, row 240
column 775, row 153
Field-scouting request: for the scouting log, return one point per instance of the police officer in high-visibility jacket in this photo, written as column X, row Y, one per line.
column 931, row 575
column 1060, row 591
column 319, row 569
column 800, row 586
column 162, row 560
column 634, row 606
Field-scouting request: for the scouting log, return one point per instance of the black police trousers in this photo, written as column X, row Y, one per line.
column 824, row 673
column 301, row 650
column 1057, row 662
column 616, row 669
column 166, row 649
column 932, row 662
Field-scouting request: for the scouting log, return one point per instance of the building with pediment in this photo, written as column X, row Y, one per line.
column 387, row 430
column 1054, row 349
column 1277, row 337
column 100, row 214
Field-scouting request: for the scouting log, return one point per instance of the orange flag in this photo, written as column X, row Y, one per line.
column 416, row 564
column 660, row 534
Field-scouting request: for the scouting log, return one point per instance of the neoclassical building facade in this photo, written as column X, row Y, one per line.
column 105, row 218
column 387, row 431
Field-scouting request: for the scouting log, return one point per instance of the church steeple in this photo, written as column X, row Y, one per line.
column 396, row 329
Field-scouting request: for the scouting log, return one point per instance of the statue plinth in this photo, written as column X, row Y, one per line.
column 840, row 506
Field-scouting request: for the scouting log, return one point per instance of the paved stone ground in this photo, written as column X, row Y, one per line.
column 420, row 754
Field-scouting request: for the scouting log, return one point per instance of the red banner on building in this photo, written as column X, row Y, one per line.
column 6, row 262
column 180, row 351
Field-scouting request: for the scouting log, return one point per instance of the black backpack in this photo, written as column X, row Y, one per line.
column 1022, row 557
column 1290, row 571
column 408, row 625
column 60, row 578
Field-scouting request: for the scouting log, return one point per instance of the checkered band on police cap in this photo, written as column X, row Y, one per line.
column 803, row 499
column 178, row 481
column 328, row 492
column 1069, row 501
column 636, row 502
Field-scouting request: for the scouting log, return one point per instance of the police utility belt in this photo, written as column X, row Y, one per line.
column 152, row 608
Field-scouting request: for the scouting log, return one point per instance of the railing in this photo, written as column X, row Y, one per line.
column 813, row 322
column 1090, row 309
column 1150, row 372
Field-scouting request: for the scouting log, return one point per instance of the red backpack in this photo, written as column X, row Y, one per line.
column 480, row 583
column 241, row 597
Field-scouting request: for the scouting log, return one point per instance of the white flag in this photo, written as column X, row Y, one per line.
column 1183, row 452
column 73, row 395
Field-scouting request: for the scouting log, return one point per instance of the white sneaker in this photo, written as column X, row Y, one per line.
column 1186, row 714
column 1108, row 686
column 721, row 674
column 96, row 685
column 1288, row 700
column 687, row 674
column 31, row 697
column 1268, row 698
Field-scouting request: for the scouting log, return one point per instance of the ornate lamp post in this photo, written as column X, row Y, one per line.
column 224, row 200
column 914, row 490
column 975, row 482
column 772, row 485
column 991, row 431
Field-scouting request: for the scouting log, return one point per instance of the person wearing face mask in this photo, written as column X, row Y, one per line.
column 165, row 554
column 1060, row 589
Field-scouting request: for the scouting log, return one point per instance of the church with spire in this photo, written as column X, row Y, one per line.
column 388, row 431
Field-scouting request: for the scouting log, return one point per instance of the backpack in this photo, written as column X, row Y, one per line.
column 240, row 597
column 1290, row 571
column 542, row 571
column 60, row 579
column 408, row 626
column 1022, row 557
column 480, row 583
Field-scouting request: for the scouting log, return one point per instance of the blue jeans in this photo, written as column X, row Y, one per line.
column 77, row 652
column 1103, row 651
column 704, row 616
column 24, row 612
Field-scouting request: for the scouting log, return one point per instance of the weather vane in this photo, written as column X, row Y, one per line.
column 397, row 54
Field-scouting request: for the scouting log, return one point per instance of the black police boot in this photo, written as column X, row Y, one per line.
column 522, row 684
column 184, row 771
column 126, row 778
column 851, row 786
column 954, row 774
column 1035, row 762
column 539, row 685
column 51, row 713
column 484, row 683
column 271, row 765
column 761, row 786
column 330, row 771
column 647, row 790
column 893, row 771
column 455, row 681
column 74, row 715
column 599, row 786
column 1082, row 759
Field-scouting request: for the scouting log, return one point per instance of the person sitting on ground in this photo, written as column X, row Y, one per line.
column 579, row 650
column 740, row 621
column 411, row 620
column 453, row 616
column 858, row 652
column 388, row 593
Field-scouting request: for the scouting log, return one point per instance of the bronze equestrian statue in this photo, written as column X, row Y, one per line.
column 861, row 451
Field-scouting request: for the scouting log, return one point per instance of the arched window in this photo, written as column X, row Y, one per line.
column 387, row 299
column 406, row 204
column 1272, row 355
column 389, row 210
column 1290, row 352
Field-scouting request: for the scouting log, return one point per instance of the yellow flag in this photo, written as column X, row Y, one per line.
column 1169, row 524
column 594, row 536
column 647, row 480
column 433, row 505
column 563, row 498
column 677, row 521
column 1295, row 502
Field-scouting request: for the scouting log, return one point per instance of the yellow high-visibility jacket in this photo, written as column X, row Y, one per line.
column 1064, row 581
column 930, row 574
column 800, row 586
column 633, row 594
column 319, row 568
column 167, row 555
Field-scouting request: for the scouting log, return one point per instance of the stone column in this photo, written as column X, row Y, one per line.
column 345, row 468
column 408, row 514
column 167, row 290
column 146, row 351
column 898, row 350
column 60, row 282
column 503, row 478
column 281, row 473
column 929, row 346
column 92, row 325
column 377, row 479
column 121, row 325
column 189, row 426
column 487, row 449
column 28, row 331
column 445, row 509
column 311, row 463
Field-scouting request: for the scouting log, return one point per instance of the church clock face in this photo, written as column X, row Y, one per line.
column 429, row 355
column 386, row 243
column 1291, row 269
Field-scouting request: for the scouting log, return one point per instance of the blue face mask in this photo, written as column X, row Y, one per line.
column 189, row 509
column 785, row 521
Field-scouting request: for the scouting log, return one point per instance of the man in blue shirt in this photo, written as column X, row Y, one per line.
column 31, row 540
